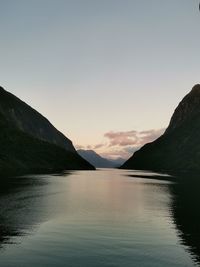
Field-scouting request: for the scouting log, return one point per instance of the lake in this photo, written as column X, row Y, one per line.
column 99, row 218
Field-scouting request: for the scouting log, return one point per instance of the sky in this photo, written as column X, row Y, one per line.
column 107, row 73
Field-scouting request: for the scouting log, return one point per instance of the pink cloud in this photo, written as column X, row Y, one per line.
column 124, row 144
column 98, row 146
column 122, row 138
column 134, row 138
column 79, row 147
column 150, row 135
column 116, row 154
column 122, row 152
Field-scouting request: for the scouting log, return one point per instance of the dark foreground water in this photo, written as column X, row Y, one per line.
column 99, row 218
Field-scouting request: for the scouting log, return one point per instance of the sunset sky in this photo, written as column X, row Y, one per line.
column 107, row 73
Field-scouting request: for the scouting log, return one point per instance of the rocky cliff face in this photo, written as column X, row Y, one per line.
column 30, row 144
column 178, row 149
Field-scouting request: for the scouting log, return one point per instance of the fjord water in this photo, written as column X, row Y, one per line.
column 98, row 218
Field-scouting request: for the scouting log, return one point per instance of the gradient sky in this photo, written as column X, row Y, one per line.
column 102, row 71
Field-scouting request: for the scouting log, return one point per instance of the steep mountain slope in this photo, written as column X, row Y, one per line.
column 178, row 149
column 28, row 120
column 24, row 152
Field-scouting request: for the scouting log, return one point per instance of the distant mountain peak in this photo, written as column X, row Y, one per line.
column 98, row 161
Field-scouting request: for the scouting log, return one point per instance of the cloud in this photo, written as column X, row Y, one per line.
column 79, row 147
column 121, row 152
column 123, row 143
column 121, row 138
column 134, row 138
column 151, row 135
column 130, row 149
column 89, row 147
column 99, row 146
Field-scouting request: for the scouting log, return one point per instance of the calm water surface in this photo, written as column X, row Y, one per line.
column 98, row 218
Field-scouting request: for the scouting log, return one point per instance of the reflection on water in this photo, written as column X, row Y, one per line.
column 12, row 208
column 17, row 212
column 102, row 218
column 22, row 205
column 186, row 212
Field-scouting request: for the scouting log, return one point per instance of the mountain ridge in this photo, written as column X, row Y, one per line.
column 178, row 149
column 99, row 161
column 19, row 114
column 22, row 151
column 185, row 109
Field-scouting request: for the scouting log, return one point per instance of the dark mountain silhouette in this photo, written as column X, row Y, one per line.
column 29, row 143
column 28, row 120
column 98, row 161
column 185, row 210
column 178, row 149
